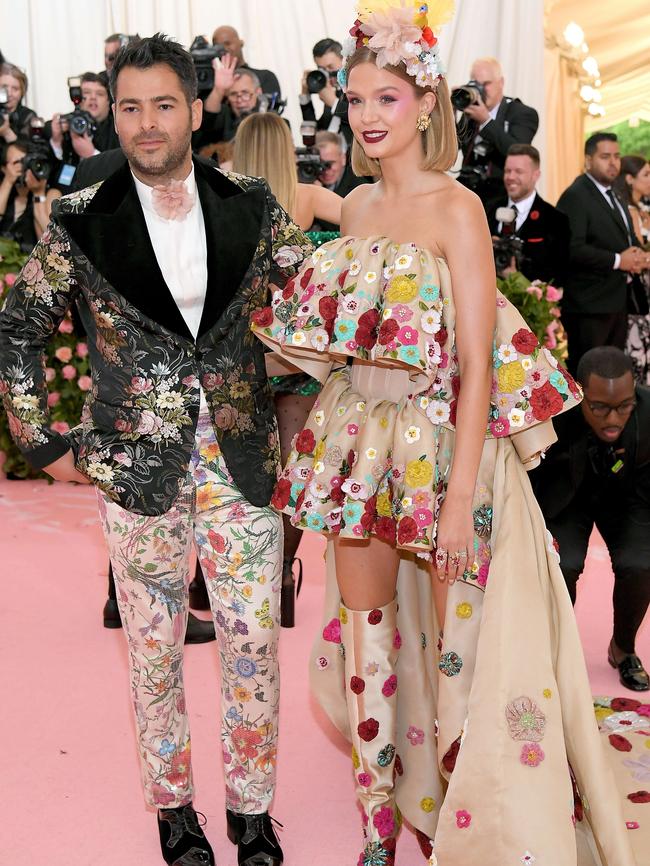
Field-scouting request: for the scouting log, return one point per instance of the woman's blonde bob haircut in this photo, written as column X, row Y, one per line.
column 264, row 148
column 439, row 141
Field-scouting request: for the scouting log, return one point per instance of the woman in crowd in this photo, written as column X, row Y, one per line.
column 17, row 117
column 633, row 188
column 264, row 148
column 413, row 461
column 25, row 202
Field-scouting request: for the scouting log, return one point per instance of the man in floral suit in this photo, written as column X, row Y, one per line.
column 166, row 261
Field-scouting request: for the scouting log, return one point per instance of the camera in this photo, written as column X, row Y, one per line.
column 271, row 102
column 4, row 99
column 472, row 176
column 319, row 78
column 203, row 54
column 310, row 165
column 37, row 159
column 505, row 250
column 469, row 94
column 79, row 121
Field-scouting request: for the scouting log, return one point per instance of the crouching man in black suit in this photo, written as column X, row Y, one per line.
column 543, row 229
column 599, row 474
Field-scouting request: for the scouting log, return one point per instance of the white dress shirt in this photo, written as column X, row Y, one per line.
column 181, row 251
column 604, row 191
column 523, row 208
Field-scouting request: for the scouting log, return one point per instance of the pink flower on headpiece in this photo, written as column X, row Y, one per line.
column 172, row 201
column 390, row 31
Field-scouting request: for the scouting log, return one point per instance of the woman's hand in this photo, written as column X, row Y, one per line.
column 454, row 538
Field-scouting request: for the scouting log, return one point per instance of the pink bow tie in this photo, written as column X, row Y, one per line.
column 172, row 201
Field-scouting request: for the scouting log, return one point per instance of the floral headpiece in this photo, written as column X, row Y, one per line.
column 401, row 31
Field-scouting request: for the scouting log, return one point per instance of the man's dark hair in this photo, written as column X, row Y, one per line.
column 325, row 45
column 21, row 143
column 114, row 37
column 525, row 150
column 591, row 144
column 154, row 50
column 94, row 78
column 608, row 362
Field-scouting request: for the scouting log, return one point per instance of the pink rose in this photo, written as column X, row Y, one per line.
column 60, row 426
column 553, row 294
column 550, row 340
column 10, row 279
column 535, row 290
column 226, row 417
column 69, row 372
column 140, row 385
column 82, row 350
column 50, row 374
column 123, row 459
column 148, row 423
column 32, row 272
column 123, row 425
column 64, row 354
column 85, row 383
column 53, row 398
column 66, row 327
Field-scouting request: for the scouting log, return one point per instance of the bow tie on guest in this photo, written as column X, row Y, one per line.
column 172, row 201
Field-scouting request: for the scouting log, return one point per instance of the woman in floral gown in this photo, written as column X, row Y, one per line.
column 436, row 397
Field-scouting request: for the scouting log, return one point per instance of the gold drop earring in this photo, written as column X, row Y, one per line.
column 423, row 122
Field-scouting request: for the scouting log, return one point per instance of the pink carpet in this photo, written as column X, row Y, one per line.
column 71, row 789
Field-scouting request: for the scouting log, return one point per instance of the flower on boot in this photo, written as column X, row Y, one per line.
column 357, row 685
column 375, row 616
column 374, row 854
column 364, row 779
column 368, row 730
column 390, row 686
column 463, row 819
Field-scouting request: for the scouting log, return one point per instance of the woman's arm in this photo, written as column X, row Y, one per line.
column 327, row 205
column 467, row 247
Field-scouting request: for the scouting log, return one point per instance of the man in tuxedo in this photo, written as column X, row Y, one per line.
column 166, row 261
column 603, row 254
column 328, row 56
column 543, row 229
column 496, row 122
column 598, row 474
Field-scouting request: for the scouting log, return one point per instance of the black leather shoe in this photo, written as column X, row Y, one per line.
column 631, row 672
column 198, row 593
column 111, row 614
column 198, row 630
column 255, row 838
column 182, row 840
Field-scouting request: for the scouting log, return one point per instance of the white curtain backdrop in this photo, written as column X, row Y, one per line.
column 52, row 39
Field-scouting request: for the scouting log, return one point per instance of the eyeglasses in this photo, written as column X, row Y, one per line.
column 242, row 94
column 602, row 410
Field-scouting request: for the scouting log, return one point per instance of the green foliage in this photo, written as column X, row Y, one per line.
column 538, row 304
column 66, row 365
column 633, row 139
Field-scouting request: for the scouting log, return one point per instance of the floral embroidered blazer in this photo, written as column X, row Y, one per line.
column 138, row 425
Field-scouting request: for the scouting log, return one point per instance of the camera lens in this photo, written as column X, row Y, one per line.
column 316, row 81
column 462, row 97
column 79, row 124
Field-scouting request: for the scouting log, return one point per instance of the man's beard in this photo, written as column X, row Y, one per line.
column 159, row 165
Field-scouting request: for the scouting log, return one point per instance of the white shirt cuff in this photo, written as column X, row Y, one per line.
column 617, row 261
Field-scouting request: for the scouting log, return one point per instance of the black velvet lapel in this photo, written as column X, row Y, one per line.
column 112, row 233
column 232, row 217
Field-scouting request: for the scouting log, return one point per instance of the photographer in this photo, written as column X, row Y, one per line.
column 598, row 474
column 15, row 117
column 495, row 123
column 322, row 82
column 99, row 132
column 25, row 202
column 228, row 38
column 522, row 213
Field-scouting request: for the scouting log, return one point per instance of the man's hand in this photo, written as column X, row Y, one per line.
column 5, row 130
column 35, row 185
column 57, row 131
column 224, row 73
column 83, row 145
column 478, row 112
column 304, row 89
column 634, row 260
column 328, row 95
column 63, row 470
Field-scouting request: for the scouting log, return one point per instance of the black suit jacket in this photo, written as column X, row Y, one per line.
column 515, row 123
column 97, row 168
column 545, row 233
column 133, row 442
column 592, row 286
column 567, row 465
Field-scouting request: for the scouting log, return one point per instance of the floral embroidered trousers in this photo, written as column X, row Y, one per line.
column 240, row 550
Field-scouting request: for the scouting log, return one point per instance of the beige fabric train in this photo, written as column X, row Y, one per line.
column 509, row 683
column 371, row 642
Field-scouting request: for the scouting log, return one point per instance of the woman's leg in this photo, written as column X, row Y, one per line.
column 367, row 573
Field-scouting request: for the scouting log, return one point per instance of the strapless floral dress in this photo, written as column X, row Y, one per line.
column 500, row 760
